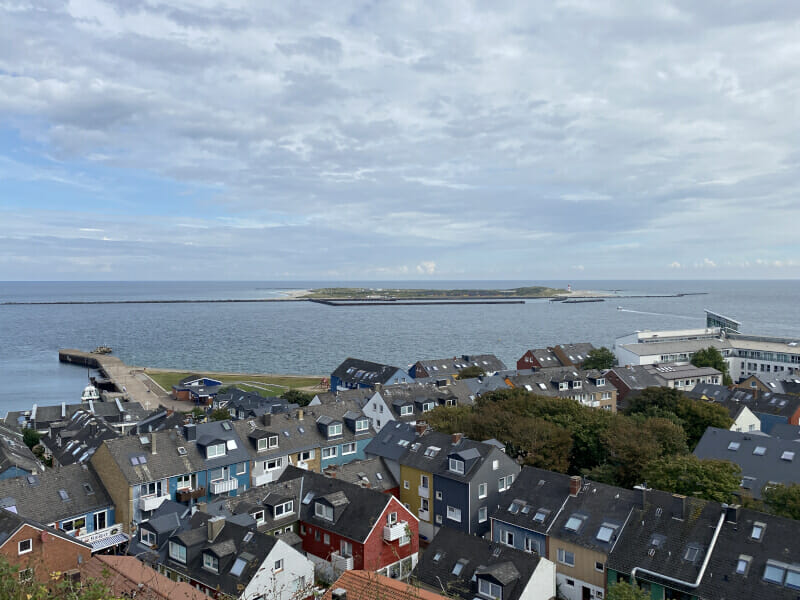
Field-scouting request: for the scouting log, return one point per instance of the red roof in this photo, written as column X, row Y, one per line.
column 125, row 575
column 366, row 585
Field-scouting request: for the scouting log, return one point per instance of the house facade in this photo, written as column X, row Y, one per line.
column 357, row 373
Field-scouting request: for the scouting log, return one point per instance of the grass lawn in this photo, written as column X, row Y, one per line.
column 274, row 384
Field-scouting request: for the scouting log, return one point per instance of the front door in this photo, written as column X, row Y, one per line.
column 587, row 593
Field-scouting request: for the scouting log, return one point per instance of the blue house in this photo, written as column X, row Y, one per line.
column 355, row 373
column 345, row 437
column 71, row 499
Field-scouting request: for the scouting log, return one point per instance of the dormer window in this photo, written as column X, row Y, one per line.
column 576, row 385
column 487, row 589
column 406, row 410
column 323, row 511
column 362, row 425
column 427, row 406
column 258, row 516
column 281, row 510
column 564, row 385
column 148, row 538
column 600, row 381
column 210, row 562
column 334, row 430
column 177, row 552
column 215, row 450
column 457, row 466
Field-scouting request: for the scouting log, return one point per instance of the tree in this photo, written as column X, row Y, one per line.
column 630, row 450
column 599, row 358
column 782, row 500
column 220, row 414
column 710, row 479
column 711, row 357
column 471, row 372
column 626, row 591
column 298, row 397
column 31, row 437
column 58, row 588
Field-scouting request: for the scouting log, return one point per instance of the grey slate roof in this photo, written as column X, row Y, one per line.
column 658, row 536
column 534, row 491
column 10, row 522
column 79, row 439
column 636, row 377
column 359, row 395
column 782, row 405
column 392, row 440
column 371, row 473
column 262, row 498
column 785, row 431
column 776, row 460
column 14, row 452
column 488, row 362
column 545, row 382
column 363, row 372
column 508, row 566
column 353, row 518
column 595, row 505
column 132, row 412
column 416, row 394
column 37, row 497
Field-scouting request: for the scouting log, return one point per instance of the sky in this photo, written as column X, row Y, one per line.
column 187, row 140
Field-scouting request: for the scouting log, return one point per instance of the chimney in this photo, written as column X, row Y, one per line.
column 377, row 387
column 152, row 443
column 421, row 427
column 300, row 414
column 678, row 507
column 267, row 418
column 190, row 433
column 202, row 507
column 644, row 489
column 456, row 438
column 574, row 485
column 339, row 594
column 215, row 525
column 731, row 512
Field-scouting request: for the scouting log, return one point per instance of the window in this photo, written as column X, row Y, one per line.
column 406, row 485
column 329, row 452
column 774, row 573
column 334, row 430
column 391, row 518
column 25, row 546
column 305, row 455
column 507, row 537
column 423, row 481
column 148, row 538
column 241, row 468
column 566, row 558
column 454, row 513
column 216, row 474
column 177, row 552
column 734, row 446
column 483, row 490
column 406, row 410
column 787, row 456
column 438, row 495
column 489, row 589
column 760, row 451
column 349, row 448
column 482, row 514
column 25, row 575
column 324, row 511
column 404, row 540
column 362, row 425
column 504, row 483
column 438, row 519
column 258, row 516
column 74, row 525
column 346, row 548
column 758, row 531
column 281, row 510
column 540, row 515
column 275, row 463
column 531, row 545
column 457, row 466
column 743, row 564
column 210, row 562
column 495, row 465
column 184, row 482
column 598, row 566
column 574, row 523
column 691, row 553
column 215, row 450
column 605, row 532
column 459, row 566
column 600, row 381
column 793, row 580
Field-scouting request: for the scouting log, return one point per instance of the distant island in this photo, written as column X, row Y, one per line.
column 346, row 293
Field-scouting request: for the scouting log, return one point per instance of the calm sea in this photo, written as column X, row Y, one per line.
column 306, row 338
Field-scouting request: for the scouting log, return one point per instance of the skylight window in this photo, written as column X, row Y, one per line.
column 605, row 533
column 742, row 565
column 431, row 451
column 691, row 553
column 64, row 495
column 760, row 451
column 793, row 580
column 788, row 456
column 774, row 573
column 459, row 566
column 308, row 498
column 574, row 523
column 734, row 446
column 758, row 531
column 238, row 567
column 437, row 556
column 181, row 450
column 514, row 508
column 540, row 516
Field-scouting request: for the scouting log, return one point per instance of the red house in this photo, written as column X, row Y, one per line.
column 345, row 526
column 38, row 551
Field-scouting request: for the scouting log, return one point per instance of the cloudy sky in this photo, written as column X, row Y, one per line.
column 142, row 139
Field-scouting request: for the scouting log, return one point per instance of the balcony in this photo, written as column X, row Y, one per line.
column 424, row 492
column 424, row 515
column 263, row 478
column 224, row 485
column 190, row 494
column 394, row 532
column 341, row 563
column 151, row 502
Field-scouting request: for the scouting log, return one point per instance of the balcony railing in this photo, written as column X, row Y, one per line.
column 263, row 478
column 424, row 515
column 341, row 563
column 224, row 485
column 190, row 494
column 151, row 502
column 394, row 532
column 424, row 492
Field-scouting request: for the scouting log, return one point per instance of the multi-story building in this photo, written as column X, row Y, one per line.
column 451, row 481
column 357, row 373
column 590, row 388
column 450, row 367
column 633, row 379
column 563, row 355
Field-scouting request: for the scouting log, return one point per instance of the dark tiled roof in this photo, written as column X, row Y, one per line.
column 263, row 498
column 392, row 440
column 534, row 491
column 636, row 377
column 763, row 459
column 79, row 439
column 371, row 473
column 546, row 381
column 357, row 508
column 37, row 497
column 426, row 458
column 14, row 453
column 488, row 362
column 364, row 372
column 451, row 547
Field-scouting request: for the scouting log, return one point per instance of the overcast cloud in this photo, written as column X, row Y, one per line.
column 142, row 139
